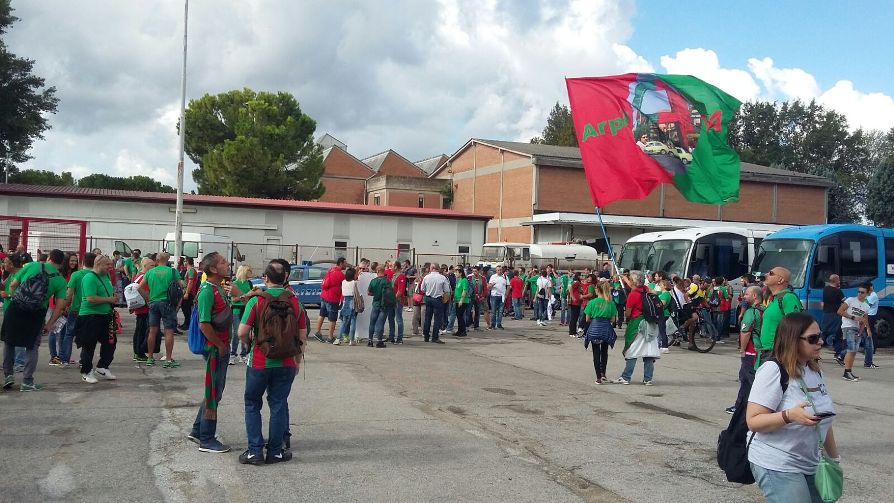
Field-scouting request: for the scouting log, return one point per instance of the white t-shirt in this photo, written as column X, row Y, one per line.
column 347, row 288
column 497, row 285
column 872, row 300
column 856, row 309
column 792, row 448
column 544, row 283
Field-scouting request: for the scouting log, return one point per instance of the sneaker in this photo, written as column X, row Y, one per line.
column 282, row 457
column 139, row 359
column 391, row 340
column 171, row 364
column 247, row 458
column 437, row 341
column 840, row 360
column 400, row 341
column 344, row 339
column 352, row 343
column 72, row 362
column 336, row 342
column 194, row 438
column 89, row 378
column 318, row 336
column 105, row 373
column 849, row 376
column 621, row 380
column 380, row 344
column 55, row 361
column 647, row 383
column 214, row 446
column 30, row 387
column 369, row 344
column 232, row 361
column 8, row 383
column 163, row 358
column 730, row 410
column 871, row 366
column 150, row 361
column 598, row 381
column 665, row 350
column 500, row 327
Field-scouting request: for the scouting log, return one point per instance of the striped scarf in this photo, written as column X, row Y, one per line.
column 210, row 381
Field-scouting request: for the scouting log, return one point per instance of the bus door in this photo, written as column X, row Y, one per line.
column 853, row 256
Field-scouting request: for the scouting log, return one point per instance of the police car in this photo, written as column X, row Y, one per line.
column 305, row 279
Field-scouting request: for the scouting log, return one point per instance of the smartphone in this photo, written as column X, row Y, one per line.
column 823, row 415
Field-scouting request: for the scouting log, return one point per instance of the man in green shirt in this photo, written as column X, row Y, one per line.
column 73, row 292
column 154, row 289
column 94, row 315
column 22, row 327
column 382, row 291
column 131, row 265
column 782, row 301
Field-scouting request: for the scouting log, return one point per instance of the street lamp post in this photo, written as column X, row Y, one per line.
column 178, row 215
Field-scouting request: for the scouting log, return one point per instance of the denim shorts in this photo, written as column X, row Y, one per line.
column 851, row 339
column 162, row 311
column 329, row 310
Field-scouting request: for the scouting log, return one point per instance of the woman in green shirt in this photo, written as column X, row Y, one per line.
column 96, row 322
column 461, row 297
column 241, row 288
column 665, row 297
column 601, row 313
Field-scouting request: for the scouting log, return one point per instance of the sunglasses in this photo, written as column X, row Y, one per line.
column 812, row 338
column 862, row 292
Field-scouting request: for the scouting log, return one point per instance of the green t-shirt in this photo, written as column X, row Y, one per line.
column 57, row 287
column 532, row 284
column 131, row 267
column 773, row 315
column 94, row 285
column 565, row 280
column 462, row 285
column 665, row 298
column 244, row 286
column 74, row 282
column 159, row 278
column 376, row 289
column 600, row 308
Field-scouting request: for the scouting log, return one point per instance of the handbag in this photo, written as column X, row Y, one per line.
column 418, row 298
column 829, row 477
column 358, row 301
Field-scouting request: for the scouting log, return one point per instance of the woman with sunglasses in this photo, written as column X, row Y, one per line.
column 788, row 402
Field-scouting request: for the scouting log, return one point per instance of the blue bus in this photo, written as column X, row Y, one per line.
column 857, row 253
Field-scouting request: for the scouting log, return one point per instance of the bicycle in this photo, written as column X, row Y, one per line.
column 705, row 332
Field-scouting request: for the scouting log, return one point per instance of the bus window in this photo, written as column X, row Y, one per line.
column 859, row 258
column 889, row 257
column 526, row 254
column 720, row 255
column 825, row 261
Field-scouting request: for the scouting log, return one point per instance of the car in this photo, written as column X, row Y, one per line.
column 656, row 147
column 683, row 155
column 305, row 279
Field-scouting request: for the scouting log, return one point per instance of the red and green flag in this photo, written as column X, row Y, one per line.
column 638, row 130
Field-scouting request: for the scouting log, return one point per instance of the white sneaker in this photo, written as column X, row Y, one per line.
column 239, row 359
column 105, row 374
column 89, row 378
column 163, row 358
column 336, row 342
column 621, row 380
column 665, row 350
column 232, row 360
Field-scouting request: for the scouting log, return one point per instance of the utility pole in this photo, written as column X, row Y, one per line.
column 178, row 218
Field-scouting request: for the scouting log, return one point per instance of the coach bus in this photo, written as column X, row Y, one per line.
column 636, row 251
column 856, row 253
column 705, row 251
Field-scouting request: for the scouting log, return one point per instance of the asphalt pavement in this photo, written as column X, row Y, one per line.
column 504, row 415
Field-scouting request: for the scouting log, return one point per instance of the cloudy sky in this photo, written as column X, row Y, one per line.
column 422, row 77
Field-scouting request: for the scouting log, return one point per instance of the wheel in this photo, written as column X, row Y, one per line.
column 705, row 337
column 884, row 328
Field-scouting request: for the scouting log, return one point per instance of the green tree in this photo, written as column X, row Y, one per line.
column 138, row 183
column 559, row 128
column 878, row 202
column 24, row 102
column 253, row 144
column 41, row 177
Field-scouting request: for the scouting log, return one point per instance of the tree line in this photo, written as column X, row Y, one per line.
column 804, row 137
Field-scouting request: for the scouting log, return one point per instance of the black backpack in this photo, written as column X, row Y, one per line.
column 732, row 449
column 779, row 299
column 387, row 293
column 33, row 292
column 175, row 289
column 652, row 310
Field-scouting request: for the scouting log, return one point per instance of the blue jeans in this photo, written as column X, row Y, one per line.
column 68, row 338
column 541, row 311
column 536, row 303
column 277, row 382
column 662, row 332
column 648, row 368
column 564, row 317
column 54, row 339
column 784, row 487
column 434, row 314
column 451, row 316
column 377, row 318
column 868, row 348
column 396, row 317
column 496, row 311
column 205, row 429
column 517, row 308
column 348, row 317
column 234, row 335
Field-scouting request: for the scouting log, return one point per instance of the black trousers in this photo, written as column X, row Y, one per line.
column 94, row 329
column 186, row 308
column 621, row 308
column 476, row 312
column 461, row 317
column 141, row 334
column 746, row 379
column 573, row 315
column 600, row 358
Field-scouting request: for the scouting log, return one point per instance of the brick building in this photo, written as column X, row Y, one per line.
column 538, row 193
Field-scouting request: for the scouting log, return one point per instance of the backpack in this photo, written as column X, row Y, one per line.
column 652, row 310
column 387, row 293
column 277, row 332
column 33, row 292
column 175, row 289
column 195, row 339
column 779, row 299
column 359, row 304
column 132, row 296
column 732, row 449
column 715, row 298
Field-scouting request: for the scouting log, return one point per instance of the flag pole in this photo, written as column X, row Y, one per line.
column 608, row 243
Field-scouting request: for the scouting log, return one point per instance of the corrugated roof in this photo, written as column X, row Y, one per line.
column 570, row 156
column 432, row 163
column 375, row 161
column 14, row 189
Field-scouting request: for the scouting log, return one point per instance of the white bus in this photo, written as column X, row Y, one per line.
column 636, row 251
column 705, row 251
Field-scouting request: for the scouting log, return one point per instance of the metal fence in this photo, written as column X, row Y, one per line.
column 40, row 235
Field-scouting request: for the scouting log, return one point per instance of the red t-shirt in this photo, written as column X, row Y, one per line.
column 574, row 293
column 258, row 359
column 518, row 287
column 635, row 302
column 400, row 285
column 389, row 273
column 331, row 291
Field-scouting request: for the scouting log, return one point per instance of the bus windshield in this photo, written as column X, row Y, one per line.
column 634, row 255
column 789, row 253
column 491, row 253
column 669, row 256
column 190, row 248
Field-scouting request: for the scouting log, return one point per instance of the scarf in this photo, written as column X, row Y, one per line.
column 210, row 381
column 631, row 332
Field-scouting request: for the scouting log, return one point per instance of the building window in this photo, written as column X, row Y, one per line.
column 421, row 200
column 403, row 251
column 340, row 250
column 462, row 249
column 377, row 200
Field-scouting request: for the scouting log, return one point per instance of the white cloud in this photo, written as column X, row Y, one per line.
column 788, row 82
column 704, row 64
column 866, row 110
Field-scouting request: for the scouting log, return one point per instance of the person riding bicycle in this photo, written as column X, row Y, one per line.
column 685, row 309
